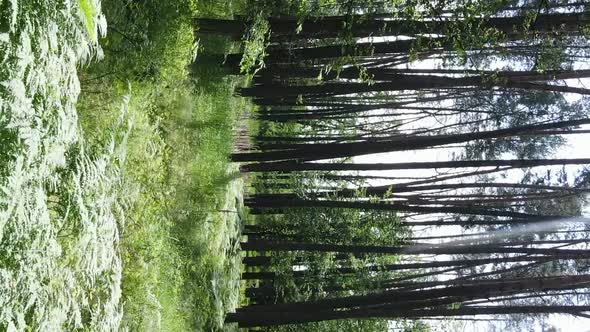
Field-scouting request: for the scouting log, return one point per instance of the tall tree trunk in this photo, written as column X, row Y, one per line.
column 260, row 245
column 340, row 150
column 292, row 166
column 366, row 205
column 249, row 319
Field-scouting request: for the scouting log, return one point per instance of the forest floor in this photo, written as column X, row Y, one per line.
column 118, row 206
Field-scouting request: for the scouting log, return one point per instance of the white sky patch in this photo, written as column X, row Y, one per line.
column 577, row 146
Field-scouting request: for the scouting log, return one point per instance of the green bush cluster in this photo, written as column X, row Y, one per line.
column 182, row 120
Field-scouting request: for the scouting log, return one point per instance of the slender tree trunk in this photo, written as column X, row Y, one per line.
column 261, row 245
column 328, row 151
column 292, row 166
column 248, row 319
column 365, row 205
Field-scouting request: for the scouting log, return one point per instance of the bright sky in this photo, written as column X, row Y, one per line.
column 578, row 146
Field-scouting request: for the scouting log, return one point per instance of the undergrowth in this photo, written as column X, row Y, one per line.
column 179, row 243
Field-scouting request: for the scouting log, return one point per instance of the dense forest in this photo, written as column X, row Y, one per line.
column 409, row 164
column 294, row 165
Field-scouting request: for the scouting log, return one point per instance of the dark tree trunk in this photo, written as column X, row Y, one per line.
column 270, row 203
column 291, row 166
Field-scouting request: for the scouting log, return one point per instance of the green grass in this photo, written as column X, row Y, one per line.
column 179, row 244
column 175, row 240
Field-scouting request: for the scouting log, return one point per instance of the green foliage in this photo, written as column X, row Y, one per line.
column 353, row 325
column 59, row 206
column 89, row 13
column 412, row 326
column 182, row 190
column 148, row 40
column 512, row 110
column 322, row 276
column 10, row 146
column 255, row 45
column 176, row 158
